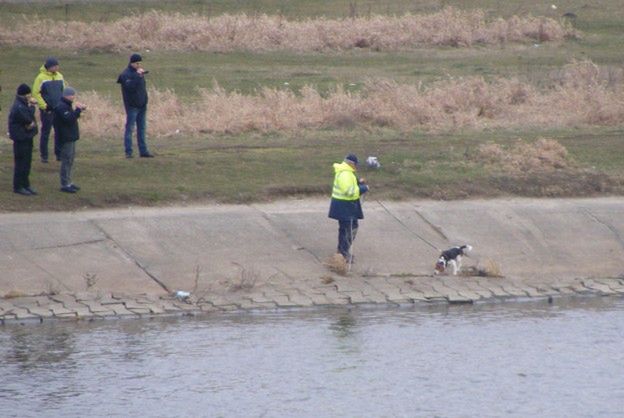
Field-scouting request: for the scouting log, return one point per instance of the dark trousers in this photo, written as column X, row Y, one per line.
column 135, row 116
column 47, row 122
column 347, row 230
column 22, row 156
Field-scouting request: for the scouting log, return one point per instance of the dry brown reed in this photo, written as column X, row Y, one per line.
column 489, row 268
column 578, row 97
column 13, row 294
column 327, row 280
column 158, row 30
column 246, row 281
column 337, row 264
column 542, row 155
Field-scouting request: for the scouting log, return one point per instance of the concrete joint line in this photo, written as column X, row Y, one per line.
column 279, row 270
column 284, row 232
column 407, row 228
column 608, row 226
column 130, row 256
column 74, row 244
column 435, row 228
column 52, row 276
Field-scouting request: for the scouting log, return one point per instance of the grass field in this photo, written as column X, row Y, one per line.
column 255, row 167
column 258, row 166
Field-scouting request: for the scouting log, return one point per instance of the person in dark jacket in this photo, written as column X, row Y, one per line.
column 134, row 93
column 48, row 90
column 22, row 130
column 66, row 125
column 345, row 204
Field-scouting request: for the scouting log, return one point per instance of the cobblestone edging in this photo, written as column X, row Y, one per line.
column 340, row 291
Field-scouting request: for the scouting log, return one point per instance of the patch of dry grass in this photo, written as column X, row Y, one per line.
column 247, row 280
column 327, row 279
column 337, row 264
column 490, row 268
column 542, row 155
column 158, row 30
column 578, row 96
column 13, row 294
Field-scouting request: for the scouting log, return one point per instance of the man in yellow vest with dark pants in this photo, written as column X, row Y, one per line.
column 48, row 90
column 345, row 204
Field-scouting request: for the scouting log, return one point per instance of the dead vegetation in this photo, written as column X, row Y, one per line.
column 246, row 280
column 578, row 96
column 327, row 279
column 91, row 280
column 13, row 294
column 542, row 155
column 257, row 33
column 489, row 268
column 337, row 264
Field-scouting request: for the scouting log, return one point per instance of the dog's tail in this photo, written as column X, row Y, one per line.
column 465, row 249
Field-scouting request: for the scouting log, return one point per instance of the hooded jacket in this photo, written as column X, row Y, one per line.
column 21, row 118
column 133, row 88
column 345, row 203
column 48, row 88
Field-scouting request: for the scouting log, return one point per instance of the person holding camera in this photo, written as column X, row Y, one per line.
column 48, row 90
column 66, row 115
column 22, row 130
column 134, row 93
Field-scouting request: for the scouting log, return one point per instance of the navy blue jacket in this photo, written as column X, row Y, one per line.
column 21, row 117
column 66, row 121
column 52, row 92
column 347, row 210
column 133, row 88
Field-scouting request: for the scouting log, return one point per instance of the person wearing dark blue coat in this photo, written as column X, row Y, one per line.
column 22, row 130
column 134, row 92
column 345, row 204
column 66, row 125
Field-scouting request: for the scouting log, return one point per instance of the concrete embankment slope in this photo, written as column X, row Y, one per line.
column 228, row 254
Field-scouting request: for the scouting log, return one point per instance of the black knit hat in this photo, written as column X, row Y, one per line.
column 352, row 158
column 50, row 62
column 23, row 90
column 135, row 58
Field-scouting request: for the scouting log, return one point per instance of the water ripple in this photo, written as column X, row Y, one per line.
column 531, row 359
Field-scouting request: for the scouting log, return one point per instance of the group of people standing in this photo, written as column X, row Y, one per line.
column 59, row 111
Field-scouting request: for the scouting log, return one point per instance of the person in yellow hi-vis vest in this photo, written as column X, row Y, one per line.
column 48, row 90
column 345, row 204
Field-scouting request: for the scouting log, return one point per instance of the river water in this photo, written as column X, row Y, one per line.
column 564, row 359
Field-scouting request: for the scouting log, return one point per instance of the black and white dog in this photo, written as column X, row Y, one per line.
column 452, row 257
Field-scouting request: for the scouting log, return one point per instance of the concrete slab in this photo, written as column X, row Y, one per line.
column 272, row 254
column 68, row 268
column 236, row 244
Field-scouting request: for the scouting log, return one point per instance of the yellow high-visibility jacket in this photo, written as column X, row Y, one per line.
column 346, row 185
column 55, row 92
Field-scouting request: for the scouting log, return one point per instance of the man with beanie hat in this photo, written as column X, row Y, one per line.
column 66, row 126
column 134, row 93
column 48, row 90
column 22, row 130
column 345, row 204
